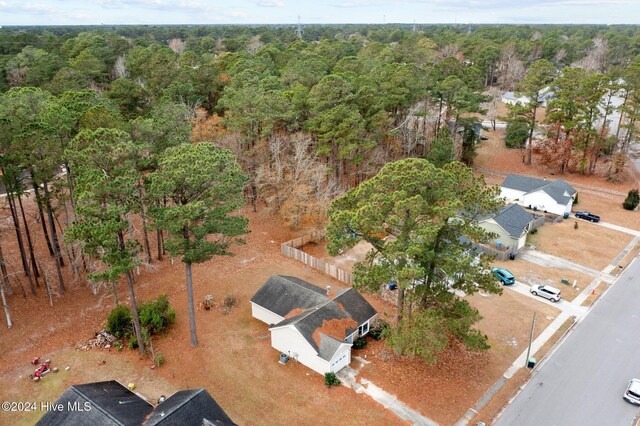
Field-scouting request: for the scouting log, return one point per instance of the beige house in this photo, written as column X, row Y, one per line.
column 511, row 225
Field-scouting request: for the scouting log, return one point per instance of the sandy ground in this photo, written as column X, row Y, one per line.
column 234, row 362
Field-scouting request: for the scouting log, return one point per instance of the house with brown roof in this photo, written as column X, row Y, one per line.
column 314, row 326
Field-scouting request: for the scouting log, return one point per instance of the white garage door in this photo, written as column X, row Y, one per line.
column 341, row 362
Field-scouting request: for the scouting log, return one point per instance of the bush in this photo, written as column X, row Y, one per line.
column 516, row 134
column 159, row 360
column 156, row 315
column 378, row 328
column 533, row 231
column 119, row 321
column 360, row 343
column 575, row 199
column 229, row 303
column 330, row 379
column 632, row 200
column 133, row 340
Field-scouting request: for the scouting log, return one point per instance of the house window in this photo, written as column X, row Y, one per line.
column 363, row 329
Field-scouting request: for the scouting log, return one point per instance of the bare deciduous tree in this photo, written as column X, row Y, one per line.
column 254, row 44
column 510, row 68
column 120, row 68
column 177, row 45
column 595, row 57
column 295, row 183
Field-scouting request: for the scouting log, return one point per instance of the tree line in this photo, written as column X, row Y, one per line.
column 108, row 126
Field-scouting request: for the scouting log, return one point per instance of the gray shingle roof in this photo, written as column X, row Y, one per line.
column 359, row 309
column 332, row 320
column 556, row 189
column 111, row 404
column 189, row 407
column 513, row 219
column 281, row 294
column 307, row 323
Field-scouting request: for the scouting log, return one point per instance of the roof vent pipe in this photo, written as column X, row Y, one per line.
column 328, row 289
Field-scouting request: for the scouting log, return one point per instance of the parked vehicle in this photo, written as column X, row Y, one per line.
column 588, row 216
column 632, row 394
column 504, row 275
column 546, row 291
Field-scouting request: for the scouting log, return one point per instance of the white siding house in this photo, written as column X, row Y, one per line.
column 311, row 325
column 264, row 315
column 539, row 194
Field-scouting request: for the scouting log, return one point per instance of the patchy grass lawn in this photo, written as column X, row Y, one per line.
column 610, row 209
column 532, row 274
column 589, row 245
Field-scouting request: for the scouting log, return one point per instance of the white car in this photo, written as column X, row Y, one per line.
column 632, row 394
column 546, row 291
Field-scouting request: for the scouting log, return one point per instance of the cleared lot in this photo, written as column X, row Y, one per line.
column 589, row 245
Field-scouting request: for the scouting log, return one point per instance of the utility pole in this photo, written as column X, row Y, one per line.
column 533, row 323
column 299, row 30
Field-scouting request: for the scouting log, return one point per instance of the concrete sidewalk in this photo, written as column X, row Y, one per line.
column 618, row 228
column 348, row 378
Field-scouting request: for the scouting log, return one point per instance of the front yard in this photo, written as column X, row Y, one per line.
column 589, row 245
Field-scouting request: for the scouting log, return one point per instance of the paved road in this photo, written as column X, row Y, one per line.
column 583, row 381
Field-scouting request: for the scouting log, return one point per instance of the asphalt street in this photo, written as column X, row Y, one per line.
column 582, row 382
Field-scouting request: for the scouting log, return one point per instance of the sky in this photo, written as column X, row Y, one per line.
column 110, row 12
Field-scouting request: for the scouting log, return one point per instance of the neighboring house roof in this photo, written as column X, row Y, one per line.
column 111, row 404
column 189, row 407
column 556, row 189
column 513, row 219
column 324, row 325
column 281, row 294
column 543, row 96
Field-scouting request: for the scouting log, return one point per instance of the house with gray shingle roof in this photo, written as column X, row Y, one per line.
column 110, row 403
column 511, row 226
column 314, row 326
column 539, row 194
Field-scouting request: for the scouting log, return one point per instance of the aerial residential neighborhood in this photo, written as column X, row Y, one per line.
column 296, row 213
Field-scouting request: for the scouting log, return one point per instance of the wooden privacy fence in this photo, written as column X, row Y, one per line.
column 291, row 249
column 538, row 221
column 500, row 254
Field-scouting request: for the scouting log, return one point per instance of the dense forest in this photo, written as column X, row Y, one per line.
column 94, row 117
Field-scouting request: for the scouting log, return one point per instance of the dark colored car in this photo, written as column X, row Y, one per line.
column 503, row 275
column 588, row 216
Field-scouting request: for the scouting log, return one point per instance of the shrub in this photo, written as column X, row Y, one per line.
column 330, row 379
column 516, row 134
column 632, row 200
column 533, row 231
column 159, row 359
column 156, row 315
column 575, row 199
column 377, row 328
column 133, row 340
column 360, row 343
column 229, row 303
column 119, row 321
